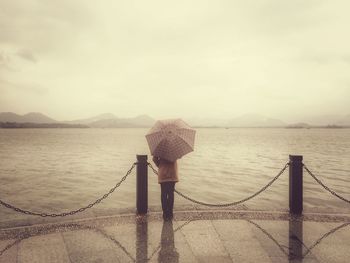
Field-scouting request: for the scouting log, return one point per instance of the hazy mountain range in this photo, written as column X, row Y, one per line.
column 106, row 120
column 33, row 117
column 257, row 120
column 247, row 120
column 109, row 120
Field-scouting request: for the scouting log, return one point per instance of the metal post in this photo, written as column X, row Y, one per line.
column 296, row 184
column 142, row 184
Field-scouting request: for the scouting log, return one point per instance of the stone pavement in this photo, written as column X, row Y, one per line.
column 193, row 236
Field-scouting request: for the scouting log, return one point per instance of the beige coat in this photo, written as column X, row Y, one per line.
column 167, row 171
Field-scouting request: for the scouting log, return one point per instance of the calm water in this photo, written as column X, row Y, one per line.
column 56, row 170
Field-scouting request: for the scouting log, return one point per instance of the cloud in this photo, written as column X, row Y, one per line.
column 4, row 60
column 325, row 58
column 22, row 88
column 27, row 55
column 135, row 56
column 346, row 58
column 40, row 26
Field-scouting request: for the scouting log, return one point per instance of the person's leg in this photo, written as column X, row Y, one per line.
column 166, row 190
column 163, row 198
column 170, row 200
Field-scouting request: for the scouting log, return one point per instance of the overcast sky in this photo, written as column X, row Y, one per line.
column 74, row 59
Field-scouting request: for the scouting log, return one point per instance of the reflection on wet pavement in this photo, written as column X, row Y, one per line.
column 199, row 238
column 168, row 251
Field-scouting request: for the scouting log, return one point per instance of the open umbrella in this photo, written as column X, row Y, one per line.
column 171, row 139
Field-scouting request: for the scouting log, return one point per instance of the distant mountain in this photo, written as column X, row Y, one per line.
column 106, row 120
column 298, row 125
column 139, row 121
column 32, row 117
column 104, row 116
column 10, row 117
column 255, row 120
column 16, row 125
column 321, row 120
column 109, row 120
column 247, row 120
column 344, row 121
column 206, row 122
column 143, row 120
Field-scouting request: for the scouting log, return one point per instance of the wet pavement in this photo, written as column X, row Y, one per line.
column 192, row 236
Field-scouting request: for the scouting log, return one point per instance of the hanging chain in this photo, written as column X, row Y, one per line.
column 74, row 211
column 228, row 204
column 324, row 186
column 27, row 212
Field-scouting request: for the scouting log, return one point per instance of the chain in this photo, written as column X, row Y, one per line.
column 318, row 241
column 233, row 203
column 153, row 169
column 115, row 241
column 324, row 186
column 11, row 245
column 74, row 211
column 269, row 236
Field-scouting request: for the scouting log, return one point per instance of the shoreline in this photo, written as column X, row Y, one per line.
column 181, row 213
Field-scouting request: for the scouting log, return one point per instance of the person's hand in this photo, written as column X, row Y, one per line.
column 156, row 160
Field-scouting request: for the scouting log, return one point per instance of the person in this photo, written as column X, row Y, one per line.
column 167, row 177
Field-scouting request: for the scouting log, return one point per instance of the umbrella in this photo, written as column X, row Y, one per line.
column 171, row 139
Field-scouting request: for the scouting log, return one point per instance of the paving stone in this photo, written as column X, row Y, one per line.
column 185, row 253
column 240, row 242
column 92, row 246
column 42, row 249
column 10, row 254
column 192, row 236
column 205, row 242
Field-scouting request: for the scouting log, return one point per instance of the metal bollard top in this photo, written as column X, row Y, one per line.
column 141, row 158
column 295, row 158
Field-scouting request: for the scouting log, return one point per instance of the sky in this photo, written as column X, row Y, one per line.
column 212, row 59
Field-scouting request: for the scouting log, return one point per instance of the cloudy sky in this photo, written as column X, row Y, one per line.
column 74, row 59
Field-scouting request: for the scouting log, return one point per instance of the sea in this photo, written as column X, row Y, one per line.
column 58, row 170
